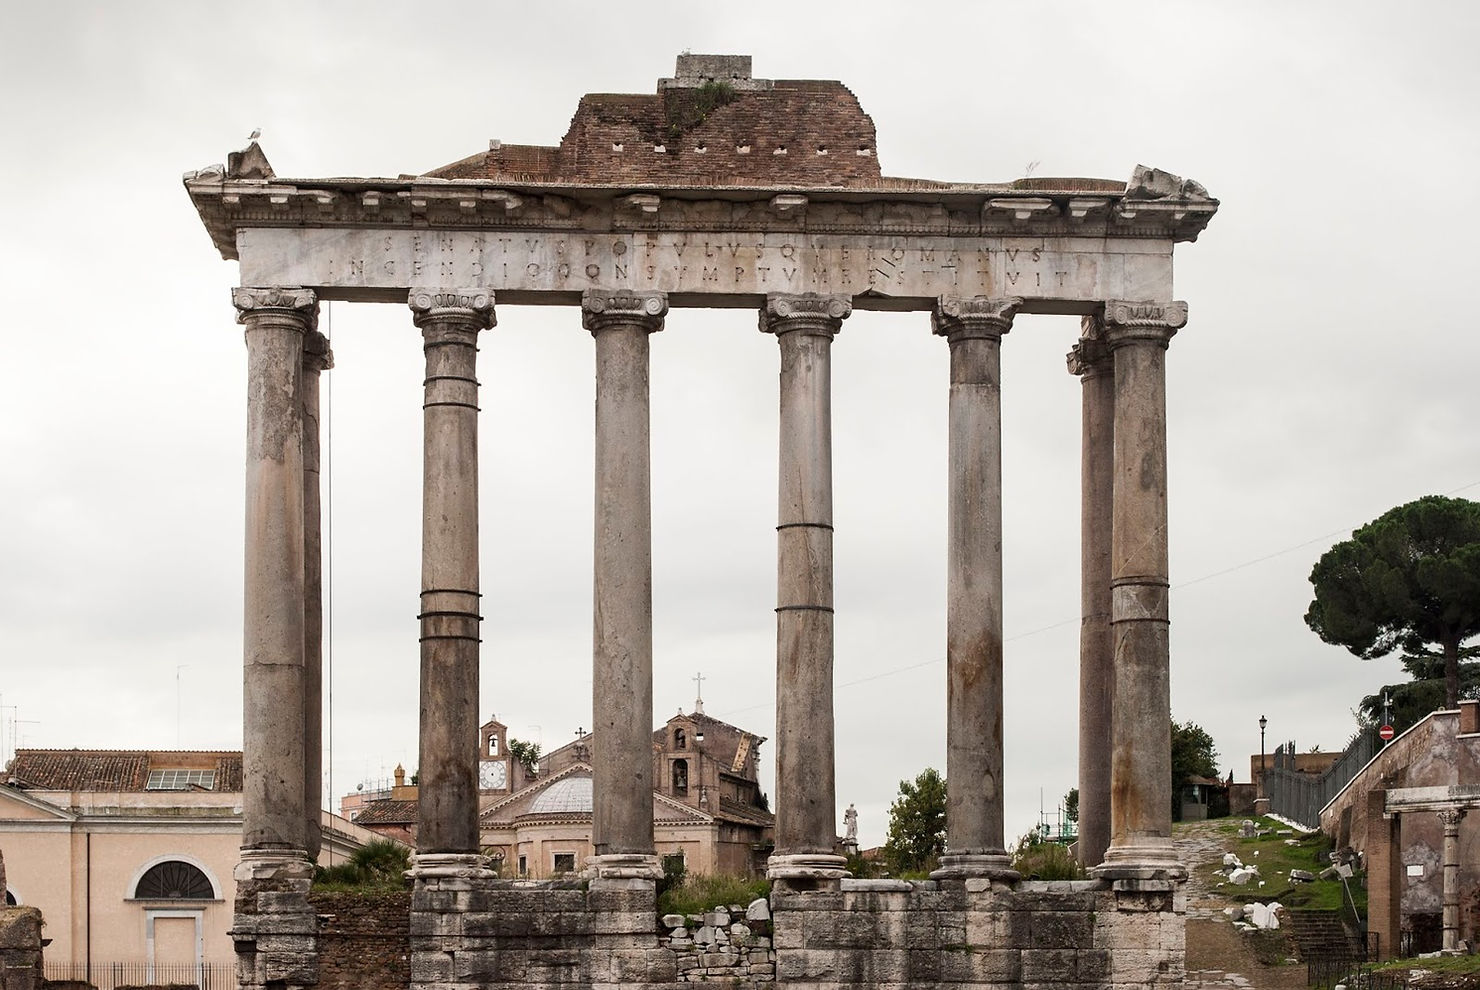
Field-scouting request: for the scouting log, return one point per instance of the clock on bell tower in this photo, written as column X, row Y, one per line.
column 493, row 757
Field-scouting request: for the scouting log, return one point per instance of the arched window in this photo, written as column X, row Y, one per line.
column 680, row 776
column 680, row 739
column 10, row 900
column 174, row 880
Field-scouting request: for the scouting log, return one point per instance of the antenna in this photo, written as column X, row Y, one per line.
column 178, row 667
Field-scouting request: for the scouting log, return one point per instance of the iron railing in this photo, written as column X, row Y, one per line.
column 1301, row 796
column 125, row 975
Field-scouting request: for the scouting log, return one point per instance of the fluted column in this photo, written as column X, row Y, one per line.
column 974, row 813
column 622, row 655
column 1451, row 821
column 273, row 814
column 447, row 833
column 1091, row 361
column 806, row 810
column 1141, row 754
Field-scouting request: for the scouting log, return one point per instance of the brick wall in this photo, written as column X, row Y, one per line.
column 364, row 940
column 796, row 134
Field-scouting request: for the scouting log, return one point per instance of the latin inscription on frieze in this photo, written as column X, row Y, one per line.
column 745, row 264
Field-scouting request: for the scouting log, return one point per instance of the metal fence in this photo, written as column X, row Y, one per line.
column 127, row 975
column 1331, row 973
column 1301, row 796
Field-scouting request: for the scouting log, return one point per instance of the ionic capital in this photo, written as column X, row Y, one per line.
column 293, row 307
column 956, row 319
column 808, row 312
column 1091, row 356
column 1155, row 322
column 603, row 308
column 316, row 353
column 471, row 307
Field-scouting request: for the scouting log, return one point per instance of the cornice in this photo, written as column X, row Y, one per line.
column 1172, row 211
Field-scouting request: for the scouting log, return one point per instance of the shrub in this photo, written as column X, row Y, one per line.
column 1037, row 858
column 695, row 893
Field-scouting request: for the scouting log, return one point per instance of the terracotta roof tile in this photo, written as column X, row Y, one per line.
column 116, row 770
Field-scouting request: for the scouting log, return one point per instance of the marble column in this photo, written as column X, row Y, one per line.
column 1450, row 820
column 1091, row 361
column 806, row 809
column 447, row 805
column 273, row 813
column 1141, row 749
column 974, row 813
column 317, row 358
column 622, row 655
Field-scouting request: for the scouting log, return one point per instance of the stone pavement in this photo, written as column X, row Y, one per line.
column 1219, row 957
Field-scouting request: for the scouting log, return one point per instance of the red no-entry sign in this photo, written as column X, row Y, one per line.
column 1386, row 732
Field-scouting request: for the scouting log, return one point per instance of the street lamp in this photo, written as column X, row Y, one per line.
column 1262, row 723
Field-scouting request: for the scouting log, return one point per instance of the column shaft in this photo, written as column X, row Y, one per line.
column 447, row 776
column 622, row 655
column 316, row 359
column 806, row 809
column 1141, row 760
column 1091, row 360
column 974, row 811
column 273, row 786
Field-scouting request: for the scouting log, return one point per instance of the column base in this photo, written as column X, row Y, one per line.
column 449, row 866
column 1153, row 859
column 623, row 866
column 961, row 866
column 273, row 864
column 806, row 866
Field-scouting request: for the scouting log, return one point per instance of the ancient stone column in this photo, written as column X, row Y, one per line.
column 622, row 655
column 273, row 813
column 1091, row 361
column 1450, row 820
column 317, row 358
column 806, row 810
column 974, row 814
column 447, row 796
column 1141, row 755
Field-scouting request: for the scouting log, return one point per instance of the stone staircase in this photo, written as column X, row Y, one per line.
column 1323, row 934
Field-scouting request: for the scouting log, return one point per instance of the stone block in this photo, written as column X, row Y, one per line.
column 922, row 966
column 662, row 966
column 786, row 898
column 807, row 965
column 980, row 966
column 1140, row 966
column 20, row 928
column 430, row 968
column 1059, row 929
column 1049, row 966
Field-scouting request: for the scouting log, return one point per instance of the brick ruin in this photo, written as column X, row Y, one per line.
column 782, row 180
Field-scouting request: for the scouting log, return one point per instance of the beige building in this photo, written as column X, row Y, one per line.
column 708, row 809
column 129, row 854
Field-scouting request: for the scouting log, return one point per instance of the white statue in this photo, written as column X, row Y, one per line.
column 850, row 825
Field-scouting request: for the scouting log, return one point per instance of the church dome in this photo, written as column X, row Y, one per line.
column 573, row 794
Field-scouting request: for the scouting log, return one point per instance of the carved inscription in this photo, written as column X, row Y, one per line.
column 909, row 266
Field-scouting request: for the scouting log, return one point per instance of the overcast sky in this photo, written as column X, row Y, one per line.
column 1326, row 374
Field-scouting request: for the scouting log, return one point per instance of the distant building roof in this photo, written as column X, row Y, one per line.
column 572, row 794
column 387, row 812
column 125, row 770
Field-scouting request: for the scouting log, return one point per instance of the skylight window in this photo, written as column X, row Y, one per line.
column 180, row 780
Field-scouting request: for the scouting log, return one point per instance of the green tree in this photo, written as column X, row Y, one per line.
column 1410, row 581
column 1193, row 755
column 527, row 753
column 1071, row 804
column 917, row 824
